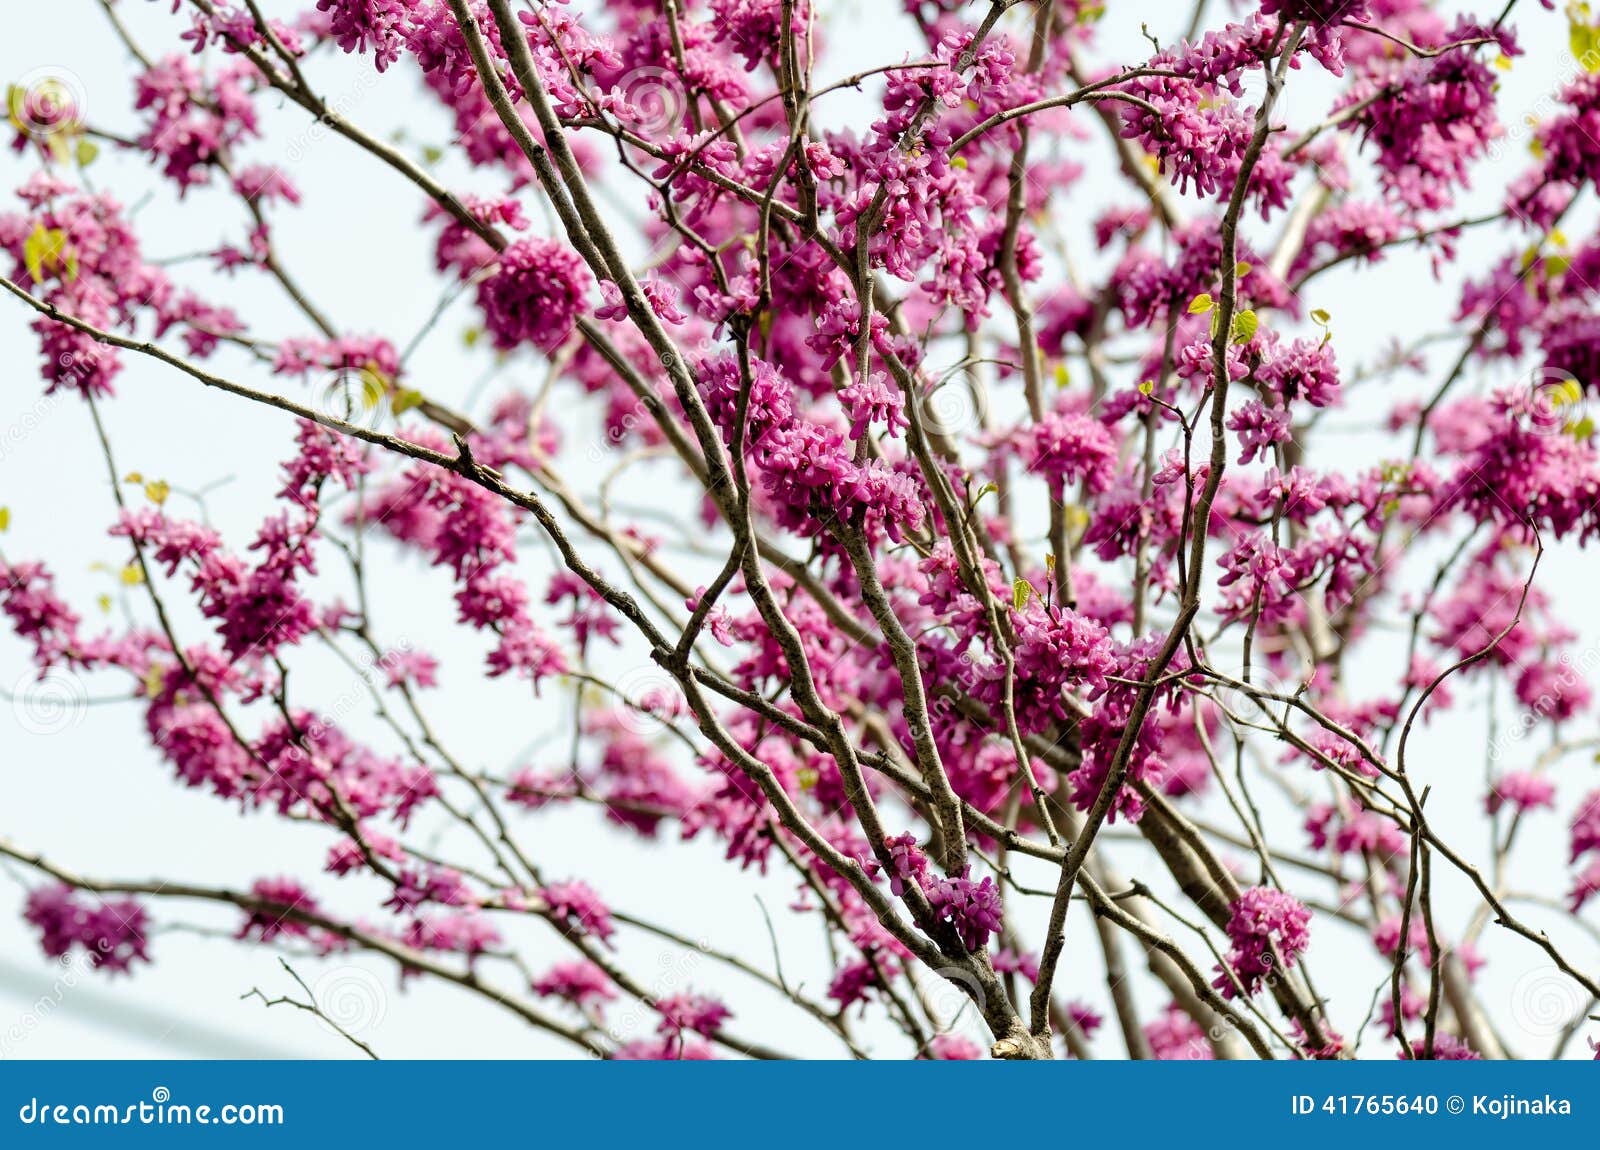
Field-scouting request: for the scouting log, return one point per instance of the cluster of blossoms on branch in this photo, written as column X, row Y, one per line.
column 995, row 524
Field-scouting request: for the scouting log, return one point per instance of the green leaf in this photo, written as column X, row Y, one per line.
column 5, row 518
column 1148, row 387
column 1020, row 591
column 405, row 400
column 88, row 152
column 1583, row 430
column 33, row 249
column 1583, row 38
column 1201, row 304
column 1321, row 316
column 42, row 251
column 1244, row 326
column 374, row 385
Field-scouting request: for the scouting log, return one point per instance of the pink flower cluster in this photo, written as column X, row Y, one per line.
column 1586, row 843
column 1268, row 929
column 112, row 932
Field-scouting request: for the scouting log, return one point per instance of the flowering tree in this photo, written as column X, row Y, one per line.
column 994, row 595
